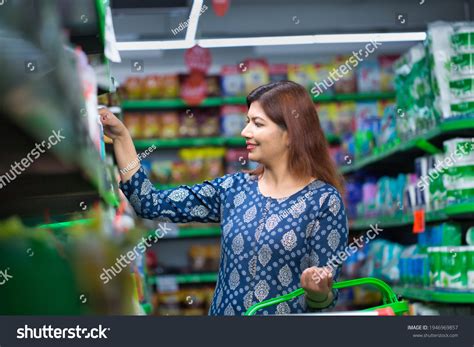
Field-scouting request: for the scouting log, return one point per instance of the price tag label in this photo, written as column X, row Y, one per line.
column 418, row 221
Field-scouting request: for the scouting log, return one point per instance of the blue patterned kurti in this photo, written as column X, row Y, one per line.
column 266, row 243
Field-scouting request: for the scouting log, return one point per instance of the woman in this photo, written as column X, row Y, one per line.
column 280, row 223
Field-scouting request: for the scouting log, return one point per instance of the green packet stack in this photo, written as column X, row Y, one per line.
column 450, row 50
column 451, row 267
column 458, row 179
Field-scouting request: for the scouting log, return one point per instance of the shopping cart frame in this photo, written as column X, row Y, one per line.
column 390, row 300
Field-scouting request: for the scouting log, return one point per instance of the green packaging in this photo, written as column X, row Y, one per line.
column 462, row 87
column 470, row 236
column 445, row 234
column 459, row 183
column 463, row 63
column 434, row 259
column 462, row 107
column 460, row 150
column 453, row 268
column 470, row 266
column 463, row 40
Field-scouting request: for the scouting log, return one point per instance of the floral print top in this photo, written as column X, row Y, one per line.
column 266, row 243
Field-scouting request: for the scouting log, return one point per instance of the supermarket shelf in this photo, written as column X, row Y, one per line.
column 174, row 103
column 201, row 142
column 189, row 278
column 355, row 97
column 186, row 232
column 241, row 100
column 400, row 220
column 433, row 295
column 402, row 155
column 184, row 142
column 68, row 224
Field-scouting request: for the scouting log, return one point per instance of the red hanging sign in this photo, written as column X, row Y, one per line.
column 198, row 58
column 220, row 7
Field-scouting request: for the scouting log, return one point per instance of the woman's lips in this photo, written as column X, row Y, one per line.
column 251, row 147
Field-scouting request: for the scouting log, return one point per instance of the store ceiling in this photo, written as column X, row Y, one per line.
column 154, row 20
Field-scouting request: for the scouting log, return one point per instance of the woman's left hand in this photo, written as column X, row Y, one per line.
column 317, row 282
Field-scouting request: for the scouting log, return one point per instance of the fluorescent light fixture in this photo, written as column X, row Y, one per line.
column 273, row 41
column 312, row 39
column 153, row 45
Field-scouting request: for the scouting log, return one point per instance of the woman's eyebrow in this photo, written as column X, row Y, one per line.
column 255, row 117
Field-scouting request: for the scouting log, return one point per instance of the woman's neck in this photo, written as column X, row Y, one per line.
column 277, row 181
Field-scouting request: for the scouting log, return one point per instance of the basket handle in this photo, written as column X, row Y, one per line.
column 388, row 294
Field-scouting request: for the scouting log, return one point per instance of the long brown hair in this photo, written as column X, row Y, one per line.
column 289, row 105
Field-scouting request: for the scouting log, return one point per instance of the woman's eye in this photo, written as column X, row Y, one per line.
column 258, row 125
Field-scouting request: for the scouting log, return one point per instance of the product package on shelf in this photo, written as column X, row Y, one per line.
column 89, row 90
column 194, row 166
column 233, row 120
column 452, row 76
column 255, row 73
column 304, row 74
column 150, row 87
column 171, row 124
column 414, row 96
column 278, row 72
column 447, row 178
column 232, row 82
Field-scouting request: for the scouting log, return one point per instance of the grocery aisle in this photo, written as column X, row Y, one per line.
column 398, row 117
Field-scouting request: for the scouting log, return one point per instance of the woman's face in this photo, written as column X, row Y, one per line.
column 266, row 141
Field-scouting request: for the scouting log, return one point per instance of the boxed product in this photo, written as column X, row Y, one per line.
column 278, row 72
column 327, row 114
column 364, row 111
column 344, row 117
column 232, row 81
column 368, row 76
column 304, row 74
column 256, row 74
column 347, row 83
column 444, row 234
column 386, row 71
column 213, row 86
column 322, row 72
column 233, row 119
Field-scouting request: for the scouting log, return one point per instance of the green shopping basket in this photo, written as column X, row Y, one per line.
column 391, row 304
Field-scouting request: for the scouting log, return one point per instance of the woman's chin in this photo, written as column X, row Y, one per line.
column 253, row 157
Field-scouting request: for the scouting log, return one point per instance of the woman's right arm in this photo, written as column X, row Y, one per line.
column 198, row 203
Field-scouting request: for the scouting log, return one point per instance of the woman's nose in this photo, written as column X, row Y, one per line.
column 245, row 132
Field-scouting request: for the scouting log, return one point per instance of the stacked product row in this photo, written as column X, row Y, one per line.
column 361, row 75
column 439, row 180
